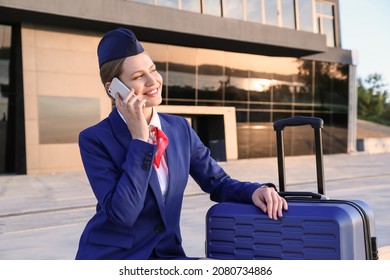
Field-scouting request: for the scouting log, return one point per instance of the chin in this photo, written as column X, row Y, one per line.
column 155, row 102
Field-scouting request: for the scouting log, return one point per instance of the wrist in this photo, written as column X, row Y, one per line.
column 269, row 185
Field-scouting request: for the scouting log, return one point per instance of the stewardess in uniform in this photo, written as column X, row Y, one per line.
column 138, row 162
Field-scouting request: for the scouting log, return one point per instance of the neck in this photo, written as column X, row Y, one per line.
column 148, row 112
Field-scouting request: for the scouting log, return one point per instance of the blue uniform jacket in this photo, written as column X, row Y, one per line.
column 132, row 221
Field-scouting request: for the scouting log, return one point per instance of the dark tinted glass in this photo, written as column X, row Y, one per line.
column 262, row 89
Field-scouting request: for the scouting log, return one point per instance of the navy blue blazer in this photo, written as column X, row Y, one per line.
column 132, row 221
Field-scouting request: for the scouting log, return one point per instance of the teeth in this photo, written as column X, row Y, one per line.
column 152, row 92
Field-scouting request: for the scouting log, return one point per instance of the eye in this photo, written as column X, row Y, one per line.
column 136, row 77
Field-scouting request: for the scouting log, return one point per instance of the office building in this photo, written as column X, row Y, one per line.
column 231, row 67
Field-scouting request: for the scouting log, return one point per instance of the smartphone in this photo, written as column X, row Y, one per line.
column 117, row 86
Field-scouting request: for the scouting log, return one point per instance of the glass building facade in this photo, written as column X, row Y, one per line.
column 232, row 68
column 5, row 89
column 262, row 90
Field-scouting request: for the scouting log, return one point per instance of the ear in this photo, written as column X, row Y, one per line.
column 107, row 86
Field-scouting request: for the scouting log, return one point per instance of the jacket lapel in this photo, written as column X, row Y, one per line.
column 171, row 154
column 121, row 132
column 119, row 129
column 155, row 186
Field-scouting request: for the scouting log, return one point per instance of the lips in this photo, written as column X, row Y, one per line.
column 151, row 92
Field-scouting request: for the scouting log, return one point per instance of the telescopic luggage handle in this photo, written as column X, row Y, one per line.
column 316, row 124
column 297, row 121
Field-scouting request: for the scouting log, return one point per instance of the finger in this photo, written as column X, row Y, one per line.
column 281, row 205
column 278, row 205
column 130, row 97
column 266, row 198
column 259, row 203
column 269, row 202
column 141, row 102
column 285, row 204
column 276, row 211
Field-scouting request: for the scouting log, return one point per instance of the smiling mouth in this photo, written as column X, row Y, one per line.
column 152, row 92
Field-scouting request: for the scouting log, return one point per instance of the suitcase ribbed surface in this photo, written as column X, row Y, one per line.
column 321, row 232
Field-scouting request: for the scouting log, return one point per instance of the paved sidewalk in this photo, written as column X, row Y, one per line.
column 41, row 217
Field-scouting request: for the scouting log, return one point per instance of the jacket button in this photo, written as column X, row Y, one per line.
column 145, row 166
column 159, row 229
column 148, row 155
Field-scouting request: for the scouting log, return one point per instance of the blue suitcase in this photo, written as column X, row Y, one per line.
column 314, row 227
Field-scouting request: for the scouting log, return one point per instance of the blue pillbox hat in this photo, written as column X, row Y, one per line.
column 118, row 43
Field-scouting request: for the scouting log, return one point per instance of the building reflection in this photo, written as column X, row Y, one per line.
column 262, row 89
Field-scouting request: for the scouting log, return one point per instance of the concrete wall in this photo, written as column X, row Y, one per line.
column 57, row 63
column 166, row 25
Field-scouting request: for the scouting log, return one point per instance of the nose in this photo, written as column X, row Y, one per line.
column 151, row 80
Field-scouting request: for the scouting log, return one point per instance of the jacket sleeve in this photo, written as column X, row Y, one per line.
column 119, row 190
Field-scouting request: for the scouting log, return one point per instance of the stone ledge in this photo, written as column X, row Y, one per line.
column 384, row 253
column 373, row 145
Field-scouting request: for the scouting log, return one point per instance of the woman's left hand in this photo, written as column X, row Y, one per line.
column 268, row 200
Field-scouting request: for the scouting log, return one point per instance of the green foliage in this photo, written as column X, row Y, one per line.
column 372, row 99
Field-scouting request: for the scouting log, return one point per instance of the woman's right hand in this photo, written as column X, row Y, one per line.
column 131, row 108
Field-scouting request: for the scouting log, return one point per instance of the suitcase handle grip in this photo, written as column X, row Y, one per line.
column 297, row 121
column 304, row 194
column 316, row 124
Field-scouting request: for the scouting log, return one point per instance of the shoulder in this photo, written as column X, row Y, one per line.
column 106, row 126
column 173, row 120
column 100, row 126
column 103, row 130
column 93, row 135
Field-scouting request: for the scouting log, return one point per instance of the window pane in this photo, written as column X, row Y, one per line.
column 305, row 15
column 168, row 3
column 62, row 118
column 181, row 75
column 236, row 82
column 271, row 12
column 233, row 9
column 212, row 7
column 159, row 55
column 318, row 7
column 191, row 5
column 325, row 18
column 5, row 51
column 328, row 30
column 5, row 92
column 327, row 9
column 288, row 14
column 331, row 99
column 254, row 10
column 210, row 77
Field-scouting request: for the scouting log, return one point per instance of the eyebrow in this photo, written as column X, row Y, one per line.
column 140, row 71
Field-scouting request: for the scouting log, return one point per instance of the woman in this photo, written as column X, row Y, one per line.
column 139, row 199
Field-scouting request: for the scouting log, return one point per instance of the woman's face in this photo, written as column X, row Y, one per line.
column 139, row 73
